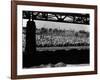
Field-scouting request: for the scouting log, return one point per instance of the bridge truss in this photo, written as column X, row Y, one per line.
column 77, row 18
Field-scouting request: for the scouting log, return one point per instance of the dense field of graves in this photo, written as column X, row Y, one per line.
column 65, row 38
column 59, row 38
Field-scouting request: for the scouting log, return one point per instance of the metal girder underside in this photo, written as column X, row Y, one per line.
column 77, row 18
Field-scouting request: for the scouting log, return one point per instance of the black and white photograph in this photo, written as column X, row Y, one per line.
column 53, row 39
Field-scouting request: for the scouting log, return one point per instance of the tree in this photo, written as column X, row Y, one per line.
column 55, row 30
column 50, row 29
column 43, row 30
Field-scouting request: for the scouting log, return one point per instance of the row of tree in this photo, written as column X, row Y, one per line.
column 50, row 30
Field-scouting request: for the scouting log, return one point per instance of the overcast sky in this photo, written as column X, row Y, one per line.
column 59, row 25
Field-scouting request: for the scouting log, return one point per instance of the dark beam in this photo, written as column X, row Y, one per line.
column 78, row 18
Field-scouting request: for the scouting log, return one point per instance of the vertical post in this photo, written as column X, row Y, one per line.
column 30, row 36
column 30, row 48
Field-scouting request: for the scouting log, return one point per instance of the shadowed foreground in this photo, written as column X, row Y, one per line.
column 73, row 56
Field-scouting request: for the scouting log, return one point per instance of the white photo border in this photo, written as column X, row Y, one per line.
column 21, row 71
